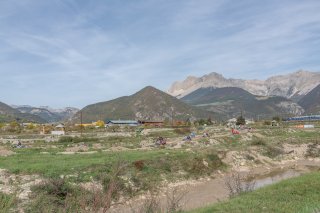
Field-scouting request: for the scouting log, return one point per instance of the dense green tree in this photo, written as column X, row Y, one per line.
column 276, row 118
column 241, row 120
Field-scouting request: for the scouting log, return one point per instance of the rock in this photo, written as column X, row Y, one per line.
column 205, row 163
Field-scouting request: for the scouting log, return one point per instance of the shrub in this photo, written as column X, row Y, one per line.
column 58, row 195
column 150, row 205
column 241, row 120
column 238, row 184
column 153, row 202
column 272, row 151
column 258, row 142
column 182, row 131
column 267, row 123
column 139, row 164
column 313, row 151
column 51, row 195
column 69, row 139
column 56, row 187
column 66, row 139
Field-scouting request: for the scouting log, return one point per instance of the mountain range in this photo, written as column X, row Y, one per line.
column 232, row 101
column 294, row 85
column 210, row 96
column 8, row 114
column 293, row 94
column 48, row 114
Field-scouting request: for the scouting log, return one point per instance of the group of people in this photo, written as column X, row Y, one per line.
column 161, row 141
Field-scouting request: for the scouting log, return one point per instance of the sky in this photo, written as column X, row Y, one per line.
column 77, row 52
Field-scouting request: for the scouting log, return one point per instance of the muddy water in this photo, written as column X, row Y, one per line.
column 274, row 178
column 201, row 193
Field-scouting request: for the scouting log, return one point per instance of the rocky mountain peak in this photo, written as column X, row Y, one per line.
column 290, row 85
column 214, row 75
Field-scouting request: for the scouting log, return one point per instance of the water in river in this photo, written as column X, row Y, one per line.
column 214, row 190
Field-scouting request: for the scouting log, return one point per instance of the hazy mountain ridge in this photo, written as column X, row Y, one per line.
column 294, row 85
column 147, row 104
column 8, row 114
column 48, row 114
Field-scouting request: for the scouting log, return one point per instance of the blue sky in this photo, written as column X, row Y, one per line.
column 77, row 52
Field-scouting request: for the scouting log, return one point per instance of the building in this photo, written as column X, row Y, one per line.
column 58, row 130
column 304, row 118
column 152, row 123
column 122, row 123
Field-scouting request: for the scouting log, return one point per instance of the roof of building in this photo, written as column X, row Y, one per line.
column 151, row 121
column 303, row 118
column 123, row 122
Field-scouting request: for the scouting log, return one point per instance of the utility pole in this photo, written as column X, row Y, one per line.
column 81, row 123
column 171, row 116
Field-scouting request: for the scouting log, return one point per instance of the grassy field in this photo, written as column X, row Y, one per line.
column 300, row 194
column 142, row 171
column 159, row 161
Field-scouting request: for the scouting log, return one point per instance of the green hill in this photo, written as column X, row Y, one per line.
column 147, row 104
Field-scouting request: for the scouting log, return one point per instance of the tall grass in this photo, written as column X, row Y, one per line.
column 7, row 202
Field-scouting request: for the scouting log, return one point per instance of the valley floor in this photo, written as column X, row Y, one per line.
column 196, row 170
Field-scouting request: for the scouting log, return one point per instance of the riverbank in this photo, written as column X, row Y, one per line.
column 198, row 193
column 299, row 194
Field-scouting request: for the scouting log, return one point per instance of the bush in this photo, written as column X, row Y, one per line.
column 56, row 187
column 277, row 118
column 313, row 151
column 241, row 120
column 238, row 184
column 52, row 196
column 182, row 131
column 139, row 164
column 258, row 142
column 267, row 123
column 272, row 151
column 69, row 139
column 58, row 195
column 66, row 139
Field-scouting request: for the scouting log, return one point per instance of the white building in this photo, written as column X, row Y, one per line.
column 59, row 130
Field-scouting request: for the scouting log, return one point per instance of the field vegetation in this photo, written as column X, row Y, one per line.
column 99, row 168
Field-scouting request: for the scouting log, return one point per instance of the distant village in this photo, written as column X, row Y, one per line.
column 61, row 128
